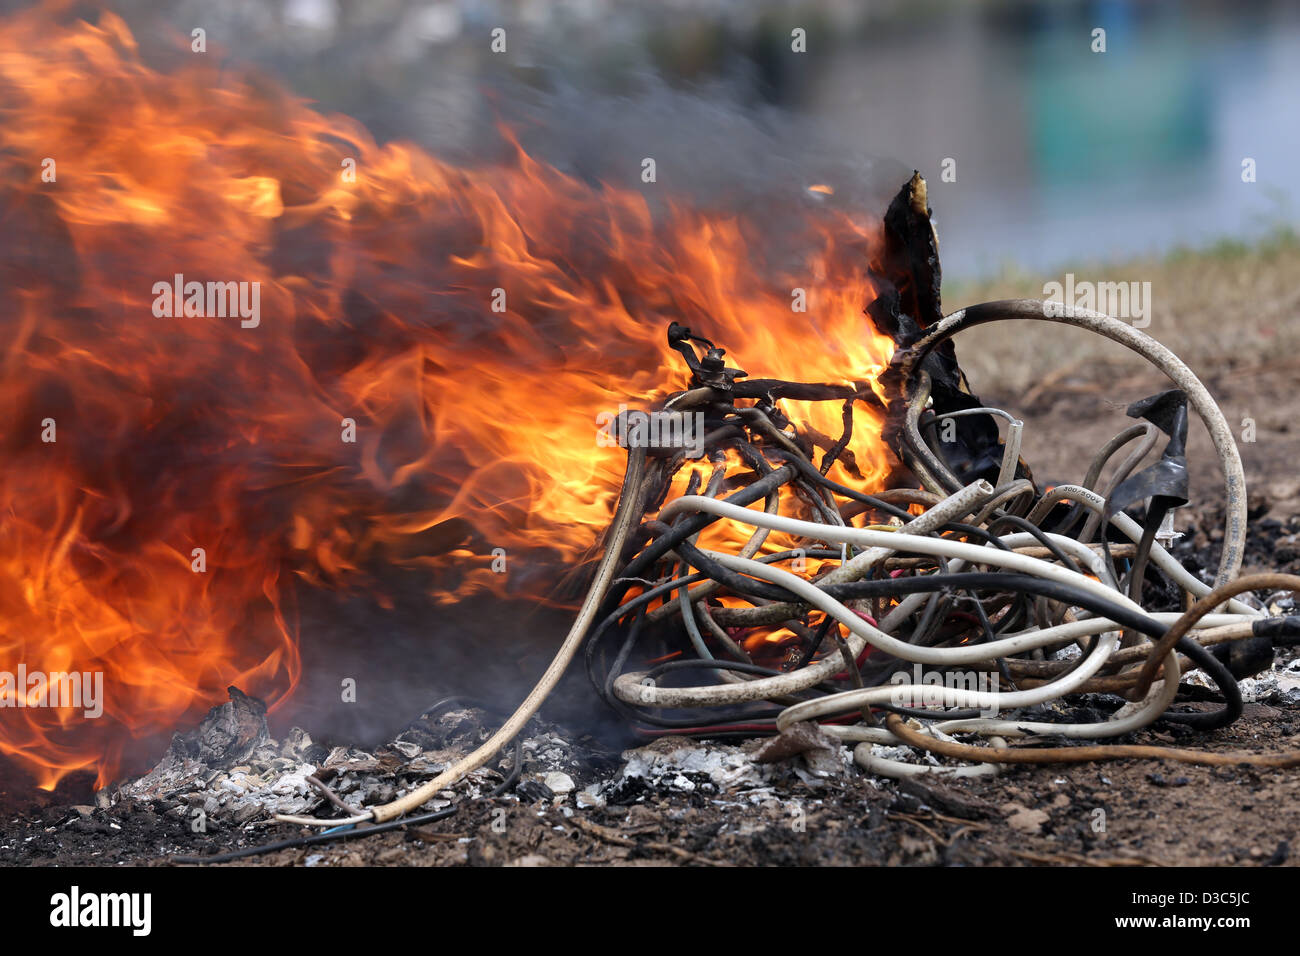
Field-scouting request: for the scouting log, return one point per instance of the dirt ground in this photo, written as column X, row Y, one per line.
column 1154, row 813
column 1122, row 813
column 1231, row 315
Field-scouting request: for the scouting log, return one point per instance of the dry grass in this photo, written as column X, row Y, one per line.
column 1230, row 307
column 1232, row 313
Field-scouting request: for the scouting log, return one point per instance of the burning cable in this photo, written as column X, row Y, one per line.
column 797, row 598
column 1097, row 605
column 887, row 593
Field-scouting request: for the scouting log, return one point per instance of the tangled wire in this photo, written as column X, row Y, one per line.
column 955, row 609
column 1039, row 592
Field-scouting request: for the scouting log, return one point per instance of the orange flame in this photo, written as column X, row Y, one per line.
column 164, row 477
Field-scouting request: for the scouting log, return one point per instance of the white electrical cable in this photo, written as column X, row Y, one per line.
column 889, row 542
column 917, row 695
column 629, row 687
column 1234, row 478
column 1130, row 717
column 1126, row 526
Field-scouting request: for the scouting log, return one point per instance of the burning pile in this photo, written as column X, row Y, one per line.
column 770, row 598
column 251, row 351
column 421, row 384
column 953, row 608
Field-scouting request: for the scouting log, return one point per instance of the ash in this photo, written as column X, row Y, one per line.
column 230, row 772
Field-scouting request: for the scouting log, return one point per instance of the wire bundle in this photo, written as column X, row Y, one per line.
column 970, row 617
column 985, row 578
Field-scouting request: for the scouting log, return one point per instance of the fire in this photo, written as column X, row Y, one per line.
column 169, row 479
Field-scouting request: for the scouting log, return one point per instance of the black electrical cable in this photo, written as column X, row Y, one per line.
column 989, row 636
column 1018, row 611
column 819, row 637
column 316, row 839
column 833, row 453
column 620, row 659
column 809, row 471
column 929, row 618
column 1000, row 581
column 711, row 716
column 974, row 531
column 823, row 502
column 1218, row 672
column 733, row 580
column 691, row 526
column 1155, row 517
column 984, row 619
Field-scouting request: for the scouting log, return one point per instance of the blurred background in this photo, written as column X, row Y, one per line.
column 1062, row 154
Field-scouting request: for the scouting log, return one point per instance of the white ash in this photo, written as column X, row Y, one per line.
column 671, row 763
column 903, row 754
column 1280, row 684
column 679, row 765
column 234, row 772
column 230, row 768
column 558, row 782
column 551, row 753
column 1273, row 686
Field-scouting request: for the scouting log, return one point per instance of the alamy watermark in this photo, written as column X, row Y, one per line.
column 931, row 688
column 54, row 689
column 219, row 300
column 1123, row 300
column 663, row 429
column 73, row 909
